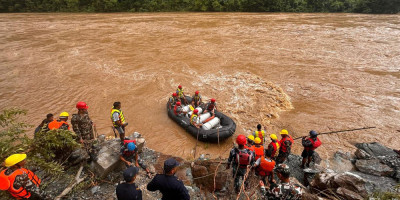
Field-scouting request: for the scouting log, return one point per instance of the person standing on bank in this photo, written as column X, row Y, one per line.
column 285, row 145
column 118, row 120
column 170, row 186
column 128, row 190
column 309, row 144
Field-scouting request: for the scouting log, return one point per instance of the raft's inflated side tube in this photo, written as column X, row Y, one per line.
column 227, row 129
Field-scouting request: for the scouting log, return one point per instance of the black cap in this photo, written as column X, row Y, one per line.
column 130, row 173
column 283, row 169
column 170, row 164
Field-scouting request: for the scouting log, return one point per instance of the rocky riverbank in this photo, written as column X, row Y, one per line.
column 372, row 169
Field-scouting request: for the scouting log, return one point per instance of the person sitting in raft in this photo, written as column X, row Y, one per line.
column 211, row 107
column 194, row 119
column 172, row 100
column 181, row 95
column 178, row 111
column 196, row 99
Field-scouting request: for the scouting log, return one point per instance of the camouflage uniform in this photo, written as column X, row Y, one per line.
column 283, row 191
column 83, row 127
column 24, row 181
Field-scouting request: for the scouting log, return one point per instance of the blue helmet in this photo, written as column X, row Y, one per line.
column 131, row 146
column 313, row 133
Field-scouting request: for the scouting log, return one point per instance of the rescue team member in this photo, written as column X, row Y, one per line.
column 20, row 182
column 130, row 156
column 83, row 127
column 264, row 167
column 118, row 120
column 287, row 189
column 61, row 123
column 45, row 123
column 260, row 133
column 170, row 186
column 181, row 95
column 258, row 149
column 240, row 158
column 173, row 99
column 194, row 119
column 309, row 144
column 178, row 111
column 273, row 147
column 285, row 145
column 128, row 190
column 211, row 107
column 250, row 143
column 196, row 99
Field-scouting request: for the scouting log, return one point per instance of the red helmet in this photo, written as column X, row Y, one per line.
column 197, row 92
column 180, row 86
column 82, row 105
column 241, row 140
column 195, row 111
column 212, row 100
column 178, row 103
column 174, row 94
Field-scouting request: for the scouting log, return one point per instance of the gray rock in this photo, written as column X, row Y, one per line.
column 378, row 183
column 108, row 158
column 95, row 189
column 376, row 149
column 102, row 138
column 349, row 195
column 361, row 154
column 374, row 167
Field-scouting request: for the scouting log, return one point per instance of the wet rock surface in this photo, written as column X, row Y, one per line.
column 374, row 167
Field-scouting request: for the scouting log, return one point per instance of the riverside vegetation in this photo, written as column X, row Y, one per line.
column 358, row 6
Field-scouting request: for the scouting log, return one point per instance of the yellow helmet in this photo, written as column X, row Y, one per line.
column 273, row 136
column 284, row 132
column 257, row 140
column 14, row 159
column 64, row 114
column 250, row 137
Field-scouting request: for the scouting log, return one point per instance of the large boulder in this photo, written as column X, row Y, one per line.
column 376, row 149
column 378, row 183
column 108, row 158
column 374, row 167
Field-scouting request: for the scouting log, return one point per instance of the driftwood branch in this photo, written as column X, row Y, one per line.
column 73, row 184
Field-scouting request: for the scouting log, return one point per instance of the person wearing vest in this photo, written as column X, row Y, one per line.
column 194, row 119
column 285, row 145
column 309, row 144
column 118, row 120
column 130, row 156
column 258, row 149
column 20, row 182
column 250, row 143
column 61, row 123
column 196, row 99
column 241, row 159
column 45, row 123
column 264, row 167
column 178, row 111
column 211, row 107
column 173, row 100
column 273, row 146
column 260, row 134
column 181, row 95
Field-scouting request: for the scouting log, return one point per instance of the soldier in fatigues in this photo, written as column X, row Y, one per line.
column 83, row 127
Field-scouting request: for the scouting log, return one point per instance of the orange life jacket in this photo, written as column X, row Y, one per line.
column 283, row 145
column 58, row 124
column 276, row 147
column 266, row 167
column 315, row 144
column 251, row 148
column 259, row 152
column 20, row 193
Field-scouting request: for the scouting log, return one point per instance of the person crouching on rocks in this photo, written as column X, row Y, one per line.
column 130, row 156
column 129, row 190
column 309, row 144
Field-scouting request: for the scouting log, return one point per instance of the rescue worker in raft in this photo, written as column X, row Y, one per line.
column 61, row 123
column 130, row 156
column 181, row 95
column 264, row 167
column 260, row 133
column 241, row 159
column 83, row 127
column 309, row 144
column 172, row 100
column 178, row 110
column 211, row 107
column 45, row 123
column 20, row 182
column 273, row 147
column 196, row 99
column 194, row 119
column 285, row 145
column 118, row 120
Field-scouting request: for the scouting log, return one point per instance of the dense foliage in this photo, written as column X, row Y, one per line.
column 359, row 6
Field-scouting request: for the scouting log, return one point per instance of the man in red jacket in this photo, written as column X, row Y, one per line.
column 310, row 144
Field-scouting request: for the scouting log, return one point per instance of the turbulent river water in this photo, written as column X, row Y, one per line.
column 294, row 71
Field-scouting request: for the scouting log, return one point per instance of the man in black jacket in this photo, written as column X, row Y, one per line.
column 170, row 186
column 129, row 190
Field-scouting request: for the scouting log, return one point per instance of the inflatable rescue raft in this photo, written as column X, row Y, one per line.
column 220, row 126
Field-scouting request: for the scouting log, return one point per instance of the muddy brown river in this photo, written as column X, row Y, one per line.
column 295, row 71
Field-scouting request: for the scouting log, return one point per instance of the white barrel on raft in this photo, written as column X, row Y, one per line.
column 204, row 117
column 186, row 109
column 211, row 124
column 198, row 108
